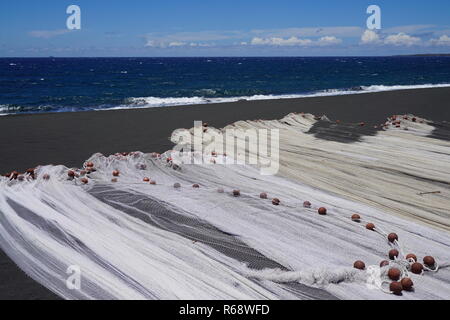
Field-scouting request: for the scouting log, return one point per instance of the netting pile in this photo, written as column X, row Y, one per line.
column 135, row 236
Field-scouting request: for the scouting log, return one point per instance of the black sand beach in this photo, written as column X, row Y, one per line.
column 70, row 138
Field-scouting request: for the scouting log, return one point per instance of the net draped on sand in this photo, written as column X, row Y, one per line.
column 135, row 240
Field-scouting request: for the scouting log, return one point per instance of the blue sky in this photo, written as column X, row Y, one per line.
column 222, row 28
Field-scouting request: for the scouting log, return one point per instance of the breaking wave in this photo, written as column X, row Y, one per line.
column 149, row 102
column 207, row 98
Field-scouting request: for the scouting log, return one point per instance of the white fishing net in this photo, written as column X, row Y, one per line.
column 135, row 240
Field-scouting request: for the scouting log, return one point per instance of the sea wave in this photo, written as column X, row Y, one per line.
column 149, row 102
column 152, row 102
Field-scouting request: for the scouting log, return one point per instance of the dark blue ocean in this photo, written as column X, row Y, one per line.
column 79, row 84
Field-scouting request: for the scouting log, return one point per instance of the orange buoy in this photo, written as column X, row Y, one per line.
column 384, row 263
column 90, row 164
column 84, row 180
column 177, row 185
column 396, row 288
column 416, row 268
column 362, row 124
column 359, row 265
column 322, row 211
column 196, row 186
column 429, row 261
column 356, row 217
column 392, row 237
column 407, row 284
column 71, row 173
column 263, row 195
column 411, row 256
column 116, row 173
column 152, row 182
column 394, row 274
column 307, row 204
column 370, row 226
column 146, row 179
column 236, row 193
column 276, row 201
column 393, row 254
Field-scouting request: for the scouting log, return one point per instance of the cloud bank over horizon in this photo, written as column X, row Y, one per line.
column 198, row 30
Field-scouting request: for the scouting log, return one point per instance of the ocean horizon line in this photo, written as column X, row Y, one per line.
column 200, row 57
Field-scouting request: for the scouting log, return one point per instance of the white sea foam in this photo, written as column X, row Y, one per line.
column 134, row 240
column 152, row 102
column 149, row 102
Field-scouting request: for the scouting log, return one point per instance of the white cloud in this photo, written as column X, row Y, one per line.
column 401, row 36
column 443, row 40
column 328, row 40
column 155, row 44
column 174, row 44
column 199, row 44
column 370, row 37
column 192, row 39
column 309, row 32
column 274, row 37
column 47, row 34
column 410, row 28
column 294, row 41
column 401, row 39
column 177, row 44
